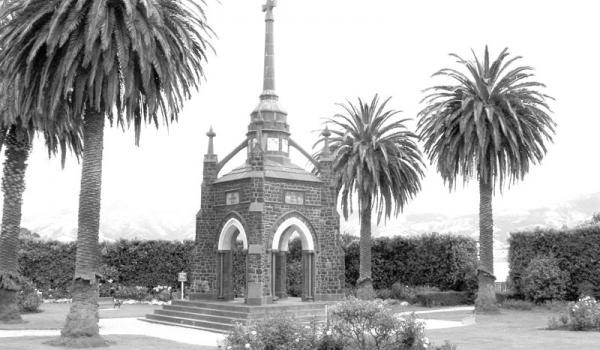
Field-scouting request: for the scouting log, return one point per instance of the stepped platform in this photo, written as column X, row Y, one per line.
column 221, row 316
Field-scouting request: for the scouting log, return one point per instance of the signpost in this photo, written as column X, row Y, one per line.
column 182, row 277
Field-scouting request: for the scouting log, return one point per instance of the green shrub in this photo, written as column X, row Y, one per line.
column 408, row 293
column 383, row 294
column 575, row 250
column 131, row 292
column 278, row 332
column 584, row 315
column 446, row 298
column 370, row 325
column 504, row 296
column 28, row 299
column 543, row 280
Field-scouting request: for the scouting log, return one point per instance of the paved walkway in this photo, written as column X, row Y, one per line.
column 122, row 326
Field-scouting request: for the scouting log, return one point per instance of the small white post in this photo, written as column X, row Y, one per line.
column 182, row 277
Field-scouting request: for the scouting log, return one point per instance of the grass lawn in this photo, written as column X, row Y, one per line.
column 513, row 329
column 122, row 342
column 53, row 315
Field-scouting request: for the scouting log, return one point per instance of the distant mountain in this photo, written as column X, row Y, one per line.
column 179, row 225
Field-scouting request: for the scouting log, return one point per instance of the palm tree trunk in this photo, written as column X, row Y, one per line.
column 486, row 294
column 13, row 185
column 81, row 325
column 365, row 283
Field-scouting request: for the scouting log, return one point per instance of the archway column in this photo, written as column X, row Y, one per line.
column 308, row 266
column 280, row 273
column 225, row 275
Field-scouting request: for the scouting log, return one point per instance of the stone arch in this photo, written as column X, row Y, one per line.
column 232, row 227
column 284, row 228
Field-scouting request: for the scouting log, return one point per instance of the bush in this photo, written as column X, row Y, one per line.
column 408, row 293
column 447, row 298
column 279, row 332
column 370, row 325
column 543, row 280
column 444, row 261
column 28, row 299
column 575, row 250
column 583, row 315
column 130, row 292
column 383, row 294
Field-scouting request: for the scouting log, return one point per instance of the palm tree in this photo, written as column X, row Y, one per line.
column 377, row 158
column 129, row 61
column 17, row 138
column 491, row 124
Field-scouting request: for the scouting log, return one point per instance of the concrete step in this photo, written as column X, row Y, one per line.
column 182, row 325
column 178, row 321
column 244, row 315
column 201, row 317
column 206, row 311
column 247, row 308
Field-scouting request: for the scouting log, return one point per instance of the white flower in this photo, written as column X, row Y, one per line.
column 247, row 346
column 328, row 332
column 229, row 347
column 425, row 340
column 253, row 332
column 297, row 340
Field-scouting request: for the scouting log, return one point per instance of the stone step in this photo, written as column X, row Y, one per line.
column 207, row 311
column 242, row 315
column 247, row 308
column 177, row 321
column 166, row 323
column 201, row 317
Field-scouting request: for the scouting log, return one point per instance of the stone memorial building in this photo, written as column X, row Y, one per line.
column 263, row 203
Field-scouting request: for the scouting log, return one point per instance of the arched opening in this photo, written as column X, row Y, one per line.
column 286, row 232
column 231, row 262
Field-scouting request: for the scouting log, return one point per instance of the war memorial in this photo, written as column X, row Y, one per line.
column 261, row 204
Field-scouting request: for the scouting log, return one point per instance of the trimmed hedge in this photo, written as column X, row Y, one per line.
column 576, row 251
column 50, row 264
column 447, row 262
column 443, row 261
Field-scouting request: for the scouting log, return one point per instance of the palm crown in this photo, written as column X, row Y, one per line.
column 374, row 156
column 492, row 122
column 132, row 60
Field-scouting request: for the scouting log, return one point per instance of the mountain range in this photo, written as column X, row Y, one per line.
column 179, row 225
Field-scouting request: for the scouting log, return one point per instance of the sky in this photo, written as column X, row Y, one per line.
column 330, row 51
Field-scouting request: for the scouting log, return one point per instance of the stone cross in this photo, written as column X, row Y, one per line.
column 210, row 135
column 268, row 8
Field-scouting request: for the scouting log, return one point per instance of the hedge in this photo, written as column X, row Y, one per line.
column 577, row 251
column 444, row 261
column 51, row 264
column 447, row 262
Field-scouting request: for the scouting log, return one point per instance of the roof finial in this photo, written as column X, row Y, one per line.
column 269, row 73
column 211, row 134
column 326, row 133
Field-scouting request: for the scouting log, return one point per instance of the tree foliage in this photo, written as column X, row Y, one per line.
column 490, row 123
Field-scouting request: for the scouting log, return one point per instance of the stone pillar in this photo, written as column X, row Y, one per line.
column 308, row 272
column 227, row 276
column 204, row 267
column 330, row 266
column 280, row 275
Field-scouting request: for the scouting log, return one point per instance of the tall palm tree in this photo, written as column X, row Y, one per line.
column 17, row 138
column 377, row 158
column 491, row 124
column 132, row 61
